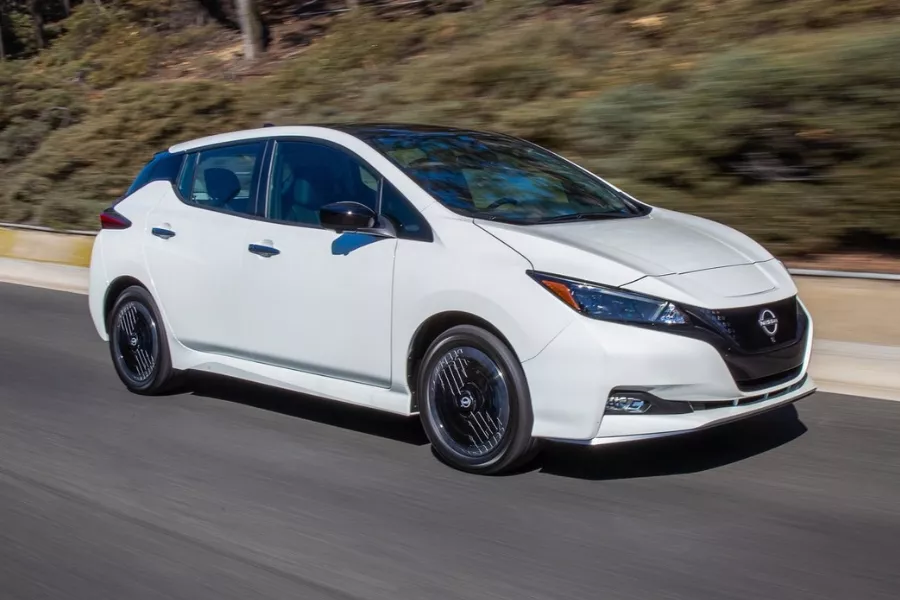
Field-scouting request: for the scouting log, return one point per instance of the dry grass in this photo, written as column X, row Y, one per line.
column 782, row 119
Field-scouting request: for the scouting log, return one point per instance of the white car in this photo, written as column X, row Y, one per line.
column 497, row 290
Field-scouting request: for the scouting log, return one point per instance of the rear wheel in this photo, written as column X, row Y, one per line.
column 474, row 402
column 137, row 343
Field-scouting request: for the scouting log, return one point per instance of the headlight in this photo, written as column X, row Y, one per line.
column 610, row 304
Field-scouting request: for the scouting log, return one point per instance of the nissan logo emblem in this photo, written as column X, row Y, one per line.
column 769, row 322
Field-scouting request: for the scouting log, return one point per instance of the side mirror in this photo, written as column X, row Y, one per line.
column 347, row 216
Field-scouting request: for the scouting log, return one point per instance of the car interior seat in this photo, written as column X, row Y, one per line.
column 222, row 186
column 305, row 196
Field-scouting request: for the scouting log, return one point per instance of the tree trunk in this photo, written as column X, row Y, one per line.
column 38, row 20
column 251, row 28
column 352, row 4
column 67, row 7
column 2, row 49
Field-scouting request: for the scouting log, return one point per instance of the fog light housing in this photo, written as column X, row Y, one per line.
column 627, row 404
column 632, row 402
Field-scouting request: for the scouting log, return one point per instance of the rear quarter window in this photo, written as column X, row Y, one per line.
column 163, row 167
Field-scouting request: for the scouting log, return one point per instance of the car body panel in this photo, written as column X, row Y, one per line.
column 439, row 278
column 323, row 304
column 195, row 274
column 119, row 253
column 618, row 251
column 335, row 315
column 722, row 288
column 591, row 358
column 391, row 400
column 98, row 284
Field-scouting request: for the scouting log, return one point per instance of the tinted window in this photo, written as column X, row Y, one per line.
column 497, row 177
column 142, row 178
column 163, row 167
column 186, row 182
column 167, row 168
column 224, row 178
column 307, row 176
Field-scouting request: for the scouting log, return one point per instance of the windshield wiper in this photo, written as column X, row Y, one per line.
column 489, row 216
column 582, row 217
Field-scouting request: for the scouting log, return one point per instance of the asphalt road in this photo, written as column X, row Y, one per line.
column 237, row 491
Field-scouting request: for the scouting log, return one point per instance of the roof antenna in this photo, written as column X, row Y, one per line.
column 268, row 124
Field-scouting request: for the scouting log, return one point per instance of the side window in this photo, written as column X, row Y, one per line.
column 306, row 176
column 409, row 223
column 186, row 181
column 167, row 168
column 163, row 167
column 142, row 178
column 224, row 178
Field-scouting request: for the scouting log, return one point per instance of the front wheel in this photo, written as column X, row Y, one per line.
column 137, row 343
column 474, row 402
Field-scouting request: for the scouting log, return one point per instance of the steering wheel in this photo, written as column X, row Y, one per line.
column 501, row 202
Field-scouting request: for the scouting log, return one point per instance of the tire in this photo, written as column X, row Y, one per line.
column 138, row 344
column 474, row 402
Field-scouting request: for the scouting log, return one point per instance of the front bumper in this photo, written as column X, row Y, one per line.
column 571, row 379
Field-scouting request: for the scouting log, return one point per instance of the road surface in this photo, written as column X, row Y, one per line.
column 237, row 491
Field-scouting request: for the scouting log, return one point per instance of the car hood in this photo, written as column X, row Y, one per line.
column 663, row 244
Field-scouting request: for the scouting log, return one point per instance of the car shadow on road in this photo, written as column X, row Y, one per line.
column 690, row 453
column 293, row 404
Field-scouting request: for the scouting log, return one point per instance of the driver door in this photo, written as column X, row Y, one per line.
column 323, row 299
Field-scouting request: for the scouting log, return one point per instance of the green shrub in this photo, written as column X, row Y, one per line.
column 105, row 47
column 796, row 136
column 31, row 107
column 707, row 107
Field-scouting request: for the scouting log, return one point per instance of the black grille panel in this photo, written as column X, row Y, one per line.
column 755, row 359
column 743, row 325
column 760, row 383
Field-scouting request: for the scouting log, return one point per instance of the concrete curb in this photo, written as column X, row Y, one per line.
column 45, row 246
column 840, row 367
column 853, row 310
column 857, row 369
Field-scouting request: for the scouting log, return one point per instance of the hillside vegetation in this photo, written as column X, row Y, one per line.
column 780, row 118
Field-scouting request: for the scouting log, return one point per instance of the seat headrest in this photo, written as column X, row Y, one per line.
column 222, row 185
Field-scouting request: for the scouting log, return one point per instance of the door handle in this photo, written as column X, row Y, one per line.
column 163, row 233
column 264, row 251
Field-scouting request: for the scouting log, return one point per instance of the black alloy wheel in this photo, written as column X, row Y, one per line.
column 137, row 343
column 474, row 402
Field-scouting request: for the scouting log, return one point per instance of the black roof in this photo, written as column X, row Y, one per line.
column 365, row 130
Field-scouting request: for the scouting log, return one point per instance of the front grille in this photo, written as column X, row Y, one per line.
column 756, row 328
column 757, row 353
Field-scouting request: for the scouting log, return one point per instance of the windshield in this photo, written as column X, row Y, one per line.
column 500, row 178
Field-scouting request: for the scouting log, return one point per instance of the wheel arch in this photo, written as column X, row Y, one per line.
column 114, row 290
column 429, row 330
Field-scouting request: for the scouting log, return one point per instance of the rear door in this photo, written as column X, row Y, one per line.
column 195, row 245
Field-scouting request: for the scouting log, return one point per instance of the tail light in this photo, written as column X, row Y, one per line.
column 110, row 219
